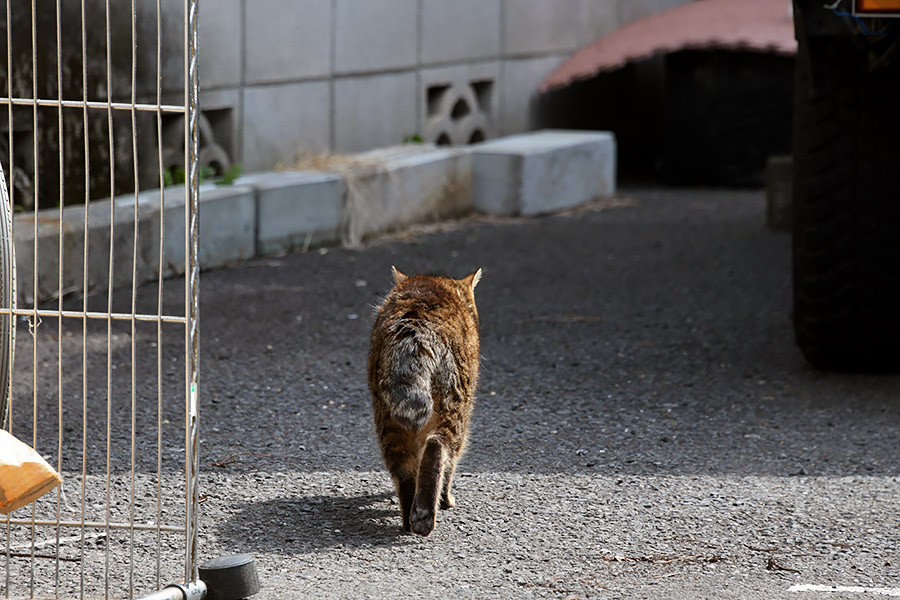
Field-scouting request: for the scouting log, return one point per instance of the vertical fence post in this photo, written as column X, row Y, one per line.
column 192, row 237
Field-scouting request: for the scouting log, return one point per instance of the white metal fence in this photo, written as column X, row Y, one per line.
column 104, row 383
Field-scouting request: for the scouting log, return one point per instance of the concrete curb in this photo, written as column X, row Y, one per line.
column 274, row 213
column 543, row 171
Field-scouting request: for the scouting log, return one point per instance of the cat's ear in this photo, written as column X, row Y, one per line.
column 473, row 279
column 398, row 276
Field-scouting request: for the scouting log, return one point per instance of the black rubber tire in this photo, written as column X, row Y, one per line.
column 846, row 236
column 7, row 299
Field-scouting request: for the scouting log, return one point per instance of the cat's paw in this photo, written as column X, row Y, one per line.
column 421, row 520
column 447, row 501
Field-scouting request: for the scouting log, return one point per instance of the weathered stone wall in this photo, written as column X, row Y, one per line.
column 50, row 65
column 284, row 77
column 279, row 78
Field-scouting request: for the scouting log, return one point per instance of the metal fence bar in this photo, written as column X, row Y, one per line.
column 192, row 269
column 134, row 266
column 60, row 262
column 100, row 525
column 11, row 193
column 33, row 325
column 159, row 294
column 116, row 316
column 110, row 286
column 84, row 303
column 94, row 104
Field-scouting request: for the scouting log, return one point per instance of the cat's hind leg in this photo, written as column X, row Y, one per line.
column 401, row 461
column 406, row 493
column 429, row 487
column 457, row 437
column 447, row 499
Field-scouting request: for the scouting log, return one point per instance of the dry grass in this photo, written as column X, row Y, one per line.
column 361, row 206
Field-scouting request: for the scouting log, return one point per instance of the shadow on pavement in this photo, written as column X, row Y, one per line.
column 314, row 523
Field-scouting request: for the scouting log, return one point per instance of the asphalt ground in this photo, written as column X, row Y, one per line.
column 645, row 426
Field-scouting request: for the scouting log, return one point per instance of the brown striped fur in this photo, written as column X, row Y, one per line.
column 423, row 369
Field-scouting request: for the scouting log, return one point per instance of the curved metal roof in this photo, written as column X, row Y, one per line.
column 750, row 25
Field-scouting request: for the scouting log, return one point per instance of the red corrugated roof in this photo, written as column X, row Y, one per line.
column 755, row 25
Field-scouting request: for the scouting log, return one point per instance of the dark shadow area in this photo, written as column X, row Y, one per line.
column 302, row 525
column 686, row 118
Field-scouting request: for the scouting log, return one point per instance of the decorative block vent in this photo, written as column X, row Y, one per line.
column 459, row 112
column 215, row 137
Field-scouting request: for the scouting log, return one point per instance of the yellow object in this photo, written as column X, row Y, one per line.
column 24, row 475
column 875, row 6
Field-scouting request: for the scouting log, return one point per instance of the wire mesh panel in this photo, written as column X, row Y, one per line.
column 99, row 98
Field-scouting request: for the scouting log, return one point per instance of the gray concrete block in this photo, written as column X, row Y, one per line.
column 287, row 39
column 295, row 209
column 221, row 40
column 460, row 30
column 227, row 225
column 632, row 10
column 375, row 35
column 597, row 19
column 125, row 270
column 476, row 86
column 518, row 91
column 282, row 121
column 543, row 171
column 399, row 186
column 373, row 111
column 227, row 235
column 538, row 26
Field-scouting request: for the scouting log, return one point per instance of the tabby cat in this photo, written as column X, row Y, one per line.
column 423, row 369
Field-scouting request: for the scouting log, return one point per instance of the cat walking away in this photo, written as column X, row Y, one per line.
column 423, row 369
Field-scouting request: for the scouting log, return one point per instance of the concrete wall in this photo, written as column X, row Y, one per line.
column 283, row 77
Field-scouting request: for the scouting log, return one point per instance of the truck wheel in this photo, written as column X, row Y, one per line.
column 846, row 239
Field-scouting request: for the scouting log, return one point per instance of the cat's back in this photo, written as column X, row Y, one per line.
column 427, row 315
column 426, row 301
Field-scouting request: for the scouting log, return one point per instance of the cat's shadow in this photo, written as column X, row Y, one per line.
column 315, row 523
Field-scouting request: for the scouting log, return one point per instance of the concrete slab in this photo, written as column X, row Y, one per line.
column 287, row 40
column 406, row 184
column 537, row 26
column 518, row 91
column 632, row 10
column 375, row 35
column 97, row 261
column 221, row 39
column 281, row 121
column 543, row 171
column 227, row 225
column 295, row 209
column 372, row 111
column 227, row 235
column 460, row 30
column 597, row 18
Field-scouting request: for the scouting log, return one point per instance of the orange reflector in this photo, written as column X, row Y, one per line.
column 877, row 6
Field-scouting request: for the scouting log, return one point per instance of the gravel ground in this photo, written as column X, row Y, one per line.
column 645, row 427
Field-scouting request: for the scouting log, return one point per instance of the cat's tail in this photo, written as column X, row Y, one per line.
column 413, row 360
